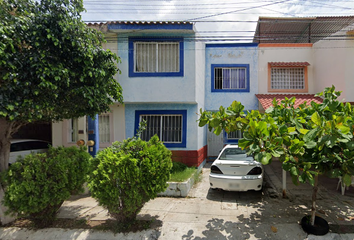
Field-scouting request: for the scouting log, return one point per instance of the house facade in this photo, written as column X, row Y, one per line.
column 162, row 76
column 167, row 76
column 230, row 74
column 301, row 56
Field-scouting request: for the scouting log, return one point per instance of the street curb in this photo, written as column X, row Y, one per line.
column 181, row 189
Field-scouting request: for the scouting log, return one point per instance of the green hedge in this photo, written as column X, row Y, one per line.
column 37, row 185
column 128, row 174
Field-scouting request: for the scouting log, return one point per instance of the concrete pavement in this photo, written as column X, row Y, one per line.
column 213, row 214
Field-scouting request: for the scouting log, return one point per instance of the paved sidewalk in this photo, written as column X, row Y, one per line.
column 213, row 214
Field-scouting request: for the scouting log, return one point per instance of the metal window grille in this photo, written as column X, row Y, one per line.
column 167, row 127
column 287, row 78
column 73, row 130
column 104, row 128
column 156, row 57
column 235, row 135
column 230, row 78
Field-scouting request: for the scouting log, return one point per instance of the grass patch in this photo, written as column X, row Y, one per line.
column 180, row 172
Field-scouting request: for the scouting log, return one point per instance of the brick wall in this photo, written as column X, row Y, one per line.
column 191, row 157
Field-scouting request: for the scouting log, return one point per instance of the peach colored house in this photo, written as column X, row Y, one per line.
column 301, row 56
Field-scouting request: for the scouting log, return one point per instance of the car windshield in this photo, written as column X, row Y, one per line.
column 233, row 154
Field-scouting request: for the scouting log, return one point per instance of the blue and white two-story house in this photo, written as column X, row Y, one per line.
column 163, row 80
column 167, row 76
column 231, row 73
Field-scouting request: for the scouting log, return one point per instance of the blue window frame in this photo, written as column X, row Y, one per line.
column 156, row 57
column 230, row 78
column 232, row 137
column 169, row 125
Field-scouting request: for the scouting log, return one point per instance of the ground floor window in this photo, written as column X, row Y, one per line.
column 104, row 128
column 73, row 130
column 169, row 126
column 233, row 137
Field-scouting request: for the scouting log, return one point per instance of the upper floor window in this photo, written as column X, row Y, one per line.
column 288, row 77
column 230, row 78
column 169, row 126
column 155, row 57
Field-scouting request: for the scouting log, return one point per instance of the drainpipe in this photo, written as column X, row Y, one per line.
column 93, row 135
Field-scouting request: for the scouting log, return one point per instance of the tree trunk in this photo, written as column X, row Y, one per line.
column 4, row 219
column 314, row 197
column 6, row 130
column 5, row 135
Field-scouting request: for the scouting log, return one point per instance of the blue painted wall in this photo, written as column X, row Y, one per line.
column 192, row 124
column 158, row 88
column 234, row 54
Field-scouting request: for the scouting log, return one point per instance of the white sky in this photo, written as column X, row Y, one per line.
column 236, row 18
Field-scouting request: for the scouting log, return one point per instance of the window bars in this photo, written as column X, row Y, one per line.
column 73, row 130
column 230, row 78
column 167, row 127
column 287, row 78
column 104, row 128
column 235, row 135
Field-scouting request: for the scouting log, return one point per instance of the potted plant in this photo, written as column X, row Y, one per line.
column 309, row 140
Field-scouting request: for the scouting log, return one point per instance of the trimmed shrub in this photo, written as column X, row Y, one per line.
column 128, row 174
column 178, row 167
column 37, row 185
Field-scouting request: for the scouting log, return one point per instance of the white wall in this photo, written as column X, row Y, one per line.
column 57, row 136
column 283, row 54
column 200, row 89
column 118, row 114
column 335, row 66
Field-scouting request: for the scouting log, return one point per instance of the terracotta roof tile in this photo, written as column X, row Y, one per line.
column 288, row 64
column 267, row 99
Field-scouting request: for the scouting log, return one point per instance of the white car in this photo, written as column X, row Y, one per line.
column 233, row 170
column 23, row 147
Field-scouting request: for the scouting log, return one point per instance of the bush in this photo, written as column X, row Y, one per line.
column 128, row 174
column 178, row 167
column 37, row 185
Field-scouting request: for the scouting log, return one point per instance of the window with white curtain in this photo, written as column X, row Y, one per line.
column 104, row 128
column 168, row 127
column 152, row 57
column 73, row 130
column 230, row 78
column 288, row 78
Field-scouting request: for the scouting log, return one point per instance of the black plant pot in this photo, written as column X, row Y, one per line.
column 321, row 226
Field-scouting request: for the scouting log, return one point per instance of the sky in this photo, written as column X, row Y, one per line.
column 214, row 20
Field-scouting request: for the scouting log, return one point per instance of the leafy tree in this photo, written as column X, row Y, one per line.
column 52, row 66
column 308, row 140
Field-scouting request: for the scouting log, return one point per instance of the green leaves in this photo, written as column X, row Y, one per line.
column 128, row 174
column 316, row 119
column 309, row 140
column 37, row 185
column 48, row 52
column 263, row 157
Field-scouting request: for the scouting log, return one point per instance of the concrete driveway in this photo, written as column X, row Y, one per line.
column 211, row 214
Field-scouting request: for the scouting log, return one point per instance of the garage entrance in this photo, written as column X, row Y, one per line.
column 215, row 144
